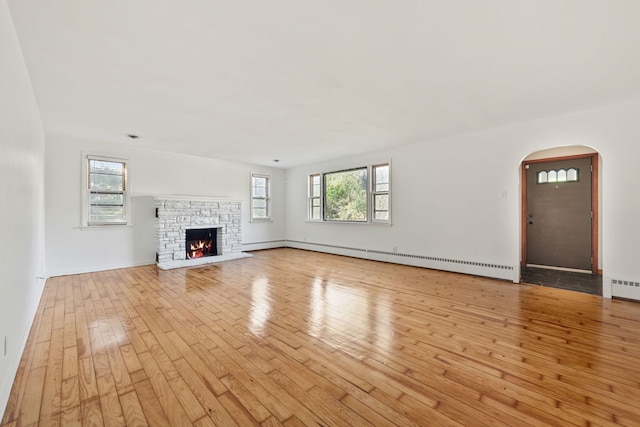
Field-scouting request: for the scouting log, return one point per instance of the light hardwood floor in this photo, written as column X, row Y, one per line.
column 292, row 338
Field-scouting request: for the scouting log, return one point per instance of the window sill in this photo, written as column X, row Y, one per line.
column 104, row 227
column 258, row 221
column 314, row 221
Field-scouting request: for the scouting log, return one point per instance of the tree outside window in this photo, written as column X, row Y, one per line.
column 360, row 194
column 345, row 195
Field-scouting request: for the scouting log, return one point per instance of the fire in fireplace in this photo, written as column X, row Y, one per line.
column 201, row 243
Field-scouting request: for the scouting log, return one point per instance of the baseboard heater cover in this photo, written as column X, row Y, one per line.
column 625, row 283
column 267, row 244
column 454, row 261
column 505, row 272
column 625, row 289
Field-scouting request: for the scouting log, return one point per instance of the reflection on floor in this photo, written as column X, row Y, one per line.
column 569, row 280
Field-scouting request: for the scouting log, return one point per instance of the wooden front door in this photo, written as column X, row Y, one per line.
column 558, row 213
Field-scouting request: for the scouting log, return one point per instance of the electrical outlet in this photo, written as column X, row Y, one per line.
column 395, row 249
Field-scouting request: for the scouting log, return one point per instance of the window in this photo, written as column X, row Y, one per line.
column 561, row 175
column 380, row 192
column 106, row 191
column 345, row 195
column 260, row 197
column 315, row 210
column 352, row 195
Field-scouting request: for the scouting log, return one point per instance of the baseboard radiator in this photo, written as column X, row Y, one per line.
column 270, row 244
column 625, row 289
column 497, row 271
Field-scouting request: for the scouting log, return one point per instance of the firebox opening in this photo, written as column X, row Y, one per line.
column 201, row 243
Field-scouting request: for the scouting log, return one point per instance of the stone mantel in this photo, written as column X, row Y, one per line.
column 195, row 198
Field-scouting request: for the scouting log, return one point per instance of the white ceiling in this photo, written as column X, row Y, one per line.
column 303, row 81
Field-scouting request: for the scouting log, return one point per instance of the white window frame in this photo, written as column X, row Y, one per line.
column 267, row 198
column 312, row 198
column 370, row 195
column 367, row 187
column 86, row 191
column 374, row 193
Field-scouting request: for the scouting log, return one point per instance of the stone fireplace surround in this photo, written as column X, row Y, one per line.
column 176, row 214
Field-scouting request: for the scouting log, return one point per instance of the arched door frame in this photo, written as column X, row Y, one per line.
column 594, row 206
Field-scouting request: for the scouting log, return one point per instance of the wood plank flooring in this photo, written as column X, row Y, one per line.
column 293, row 338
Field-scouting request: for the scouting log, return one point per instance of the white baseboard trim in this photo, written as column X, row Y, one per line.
column 257, row 246
column 496, row 271
column 5, row 393
column 96, row 269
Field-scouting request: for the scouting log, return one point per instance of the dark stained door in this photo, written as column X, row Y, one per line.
column 558, row 213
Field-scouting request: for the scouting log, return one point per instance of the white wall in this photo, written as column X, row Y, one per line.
column 71, row 249
column 459, row 198
column 21, row 204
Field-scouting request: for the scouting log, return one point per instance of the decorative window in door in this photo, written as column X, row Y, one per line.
column 561, row 175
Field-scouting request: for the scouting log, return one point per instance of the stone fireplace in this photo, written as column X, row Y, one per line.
column 197, row 230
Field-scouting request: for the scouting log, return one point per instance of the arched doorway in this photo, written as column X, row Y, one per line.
column 560, row 236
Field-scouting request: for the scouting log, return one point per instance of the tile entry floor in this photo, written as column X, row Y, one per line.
column 568, row 280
